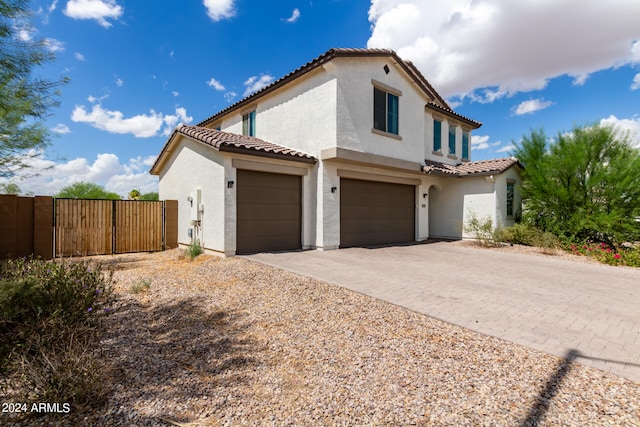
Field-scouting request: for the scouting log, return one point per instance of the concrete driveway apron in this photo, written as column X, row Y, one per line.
column 543, row 302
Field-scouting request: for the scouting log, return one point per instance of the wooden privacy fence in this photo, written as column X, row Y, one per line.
column 50, row 227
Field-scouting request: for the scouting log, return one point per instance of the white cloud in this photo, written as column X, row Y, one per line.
column 53, row 6
column 172, row 121
column 141, row 125
column 24, row 34
column 479, row 142
column 106, row 170
column 256, row 83
column 580, row 80
column 54, row 45
column 99, row 10
column 630, row 126
column 215, row 84
column 79, row 56
column 294, row 15
column 119, row 82
column 218, row 10
column 462, row 46
column 635, row 52
column 636, row 82
column 229, row 96
column 507, row 148
column 175, row 93
column 93, row 99
column 61, row 128
column 531, row 106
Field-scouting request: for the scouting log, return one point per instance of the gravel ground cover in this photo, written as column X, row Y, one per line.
column 230, row 342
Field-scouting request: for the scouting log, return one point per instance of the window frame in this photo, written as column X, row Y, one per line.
column 249, row 123
column 390, row 110
column 452, row 141
column 466, row 144
column 437, row 149
column 510, row 198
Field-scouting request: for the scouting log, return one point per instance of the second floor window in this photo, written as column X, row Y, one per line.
column 385, row 111
column 437, row 136
column 249, row 124
column 452, row 140
column 465, row 145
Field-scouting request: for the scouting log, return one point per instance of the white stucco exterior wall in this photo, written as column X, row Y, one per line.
column 191, row 166
column 300, row 116
column 510, row 175
column 355, row 105
column 455, row 201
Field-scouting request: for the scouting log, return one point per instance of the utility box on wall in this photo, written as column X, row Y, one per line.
column 195, row 200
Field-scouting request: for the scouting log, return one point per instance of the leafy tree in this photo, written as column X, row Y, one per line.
column 24, row 99
column 149, row 196
column 85, row 190
column 134, row 194
column 584, row 185
column 9, row 188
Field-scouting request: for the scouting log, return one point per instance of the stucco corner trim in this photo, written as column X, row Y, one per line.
column 366, row 159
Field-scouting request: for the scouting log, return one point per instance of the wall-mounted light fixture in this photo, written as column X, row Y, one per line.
column 190, row 200
column 229, row 184
column 425, row 195
column 334, row 189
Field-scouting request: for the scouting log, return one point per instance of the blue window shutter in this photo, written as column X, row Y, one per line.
column 437, row 135
column 465, row 145
column 452, row 139
column 392, row 114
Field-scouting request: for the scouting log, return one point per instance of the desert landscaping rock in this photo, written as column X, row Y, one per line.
column 230, row 342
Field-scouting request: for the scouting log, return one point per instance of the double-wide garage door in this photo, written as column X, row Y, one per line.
column 373, row 213
column 269, row 212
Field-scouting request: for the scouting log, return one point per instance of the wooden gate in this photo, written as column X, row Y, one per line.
column 94, row 227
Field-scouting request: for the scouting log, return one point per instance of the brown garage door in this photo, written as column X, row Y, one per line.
column 269, row 212
column 373, row 213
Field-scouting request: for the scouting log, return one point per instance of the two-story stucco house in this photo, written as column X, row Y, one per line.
column 353, row 148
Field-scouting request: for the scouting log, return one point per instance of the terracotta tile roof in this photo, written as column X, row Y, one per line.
column 225, row 140
column 231, row 142
column 409, row 68
column 449, row 112
column 479, row 168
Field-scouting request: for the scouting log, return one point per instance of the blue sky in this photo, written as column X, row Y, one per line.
column 139, row 68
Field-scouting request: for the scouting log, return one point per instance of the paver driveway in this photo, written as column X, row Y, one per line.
column 543, row 302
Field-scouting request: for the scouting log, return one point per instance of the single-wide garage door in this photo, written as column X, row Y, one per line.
column 269, row 212
column 373, row 213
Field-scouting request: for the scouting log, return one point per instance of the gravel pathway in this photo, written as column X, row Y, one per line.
column 217, row 342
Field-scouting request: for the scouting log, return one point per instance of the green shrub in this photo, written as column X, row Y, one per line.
column 141, row 286
column 483, row 230
column 520, row 234
column 194, row 249
column 69, row 290
column 49, row 317
column 549, row 242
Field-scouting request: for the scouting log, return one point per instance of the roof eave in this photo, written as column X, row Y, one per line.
column 452, row 114
column 329, row 55
column 267, row 154
column 165, row 150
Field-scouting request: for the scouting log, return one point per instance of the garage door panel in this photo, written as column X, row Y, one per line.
column 376, row 213
column 269, row 212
